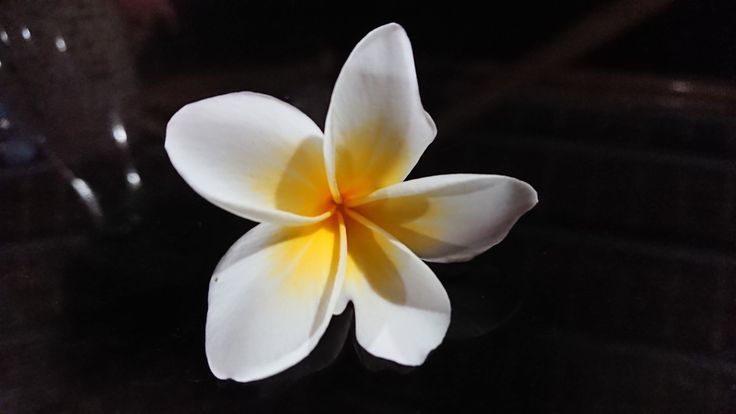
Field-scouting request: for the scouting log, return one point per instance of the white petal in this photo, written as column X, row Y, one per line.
column 452, row 217
column 401, row 310
column 376, row 127
column 271, row 298
column 252, row 155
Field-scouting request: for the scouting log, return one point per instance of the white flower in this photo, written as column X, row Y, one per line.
column 339, row 222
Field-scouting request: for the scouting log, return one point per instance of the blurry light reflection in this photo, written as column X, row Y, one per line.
column 4, row 37
column 681, row 86
column 119, row 133
column 25, row 32
column 87, row 195
column 60, row 44
column 134, row 179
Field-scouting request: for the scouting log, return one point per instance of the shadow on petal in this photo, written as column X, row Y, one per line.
column 374, row 263
column 370, row 157
column 421, row 242
column 302, row 187
column 398, row 216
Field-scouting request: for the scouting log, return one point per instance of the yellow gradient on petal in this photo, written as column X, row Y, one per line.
column 307, row 258
column 413, row 220
column 300, row 186
column 371, row 262
column 369, row 158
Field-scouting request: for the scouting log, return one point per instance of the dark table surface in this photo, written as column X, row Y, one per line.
column 616, row 294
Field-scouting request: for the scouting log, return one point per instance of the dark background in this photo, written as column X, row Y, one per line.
column 616, row 294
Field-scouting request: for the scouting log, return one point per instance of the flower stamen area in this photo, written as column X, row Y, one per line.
column 342, row 206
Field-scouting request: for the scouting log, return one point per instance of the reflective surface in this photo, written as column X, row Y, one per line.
column 615, row 294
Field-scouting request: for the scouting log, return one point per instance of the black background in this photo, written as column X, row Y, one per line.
column 615, row 294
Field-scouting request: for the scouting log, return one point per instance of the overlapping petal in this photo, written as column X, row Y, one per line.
column 449, row 217
column 253, row 155
column 376, row 127
column 272, row 296
column 401, row 310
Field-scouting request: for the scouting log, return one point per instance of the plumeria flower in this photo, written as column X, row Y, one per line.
column 338, row 222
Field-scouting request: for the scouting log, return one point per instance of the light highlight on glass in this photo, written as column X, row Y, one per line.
column 119, row 133
column 87, row 196
column 25, row 33
column 60, row 44
column 681, row 86
column 134, row 179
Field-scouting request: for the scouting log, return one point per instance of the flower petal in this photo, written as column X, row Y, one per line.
column 452, row 217
column 401, row 309
column 252, row 155
column 376, row 128
column 272, row 296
